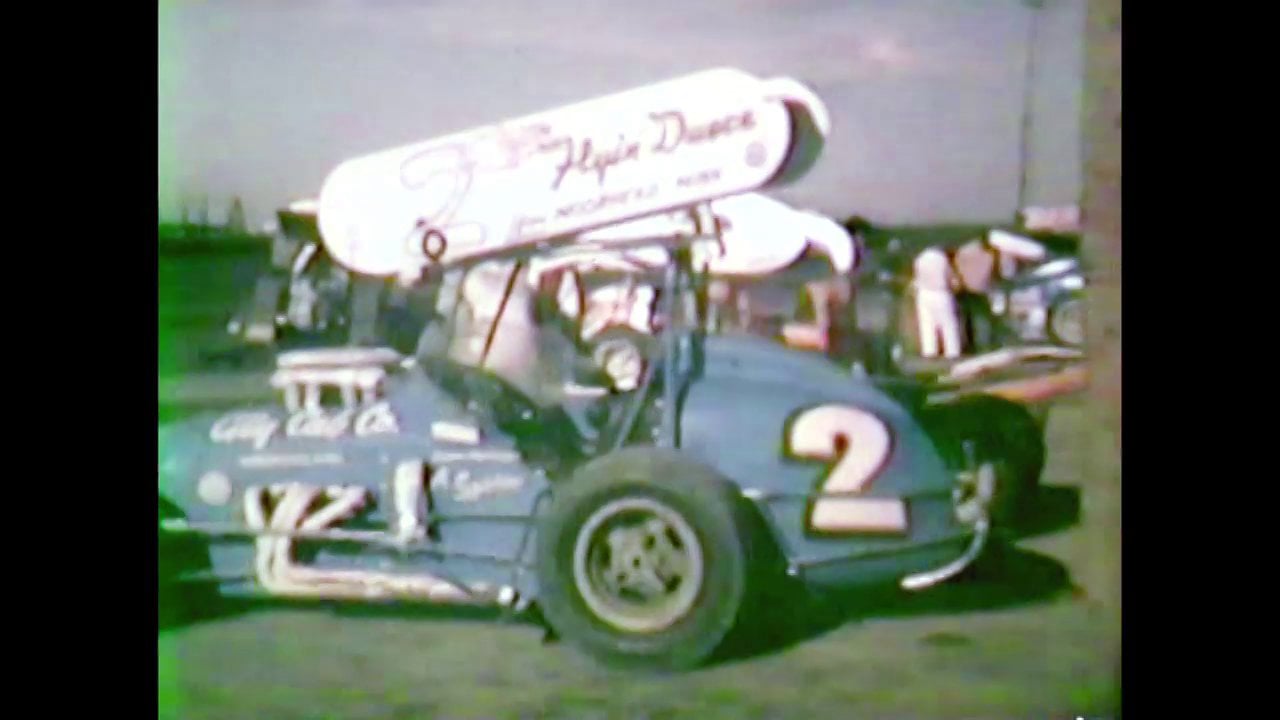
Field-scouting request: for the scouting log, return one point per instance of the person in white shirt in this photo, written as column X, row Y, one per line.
column 935, row 282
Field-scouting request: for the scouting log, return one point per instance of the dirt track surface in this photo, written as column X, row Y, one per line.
column 1027, row 638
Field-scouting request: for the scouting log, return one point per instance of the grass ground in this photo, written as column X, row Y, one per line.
column 1038, row 636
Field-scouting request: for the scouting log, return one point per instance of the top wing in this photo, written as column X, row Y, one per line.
column 759, row 237
column 559, row 173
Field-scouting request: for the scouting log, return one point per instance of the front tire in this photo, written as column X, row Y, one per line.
column 642, row 560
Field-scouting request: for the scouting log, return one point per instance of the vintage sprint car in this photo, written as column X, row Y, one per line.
column 639, row 523
column 632, row 520
column 307, row 300
column 304, row 294
column 1037, row 301
column 1044, row 303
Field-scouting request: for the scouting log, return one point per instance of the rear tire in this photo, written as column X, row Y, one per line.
column 642, row 560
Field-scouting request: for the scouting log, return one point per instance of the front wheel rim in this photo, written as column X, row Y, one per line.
column 638, row 565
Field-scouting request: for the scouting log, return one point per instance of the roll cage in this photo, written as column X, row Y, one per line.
column 682, row 302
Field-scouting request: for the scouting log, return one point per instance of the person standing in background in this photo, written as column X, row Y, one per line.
column 934, row 281
column 975, row 264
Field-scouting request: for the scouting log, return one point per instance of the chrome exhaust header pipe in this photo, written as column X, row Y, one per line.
column 929, row 578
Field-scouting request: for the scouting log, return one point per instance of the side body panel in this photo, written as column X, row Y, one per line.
column 476, row 492
column 741, row 417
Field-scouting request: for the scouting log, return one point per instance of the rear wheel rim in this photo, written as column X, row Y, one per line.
column 638, row 565
column 1068, row 323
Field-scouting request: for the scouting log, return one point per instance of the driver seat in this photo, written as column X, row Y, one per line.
column 528, row 372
